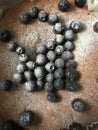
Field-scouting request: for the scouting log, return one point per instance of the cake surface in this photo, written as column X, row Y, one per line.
column 58, row 115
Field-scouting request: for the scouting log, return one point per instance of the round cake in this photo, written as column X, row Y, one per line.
column 51, row 116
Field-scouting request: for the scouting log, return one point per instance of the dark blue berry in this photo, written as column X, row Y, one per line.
column 49, row 87
column 59, row 84
column 51, row 97
column 40, row 85
column 4, row 35
column 29, row 86
column 50, row 45
column 59, row 63
column 75, row 126
column 42, row 16
column 26, row 118
column 39, row 72
column 9, row 125
column 78, row 105
column 34, row 12
column 71, row 85
column 20, row 50
column 21, row 68
column 49, row 77
column 23, row 58
column 41, row 59
column 67, row 55
column 30, row 65
column 80, row 3
column 71, row 63
column 71, row 74
column 41, row 49
column 63, row 5
column 53, row 18
column 59, row 73
column 69, row 35
column 50, row 67
column 24, row 18
column 76, row 26
column 5, row 85
column 51, row 55
column 58, row 28
column 59, row 49
column 28, row 75
column 95, row 27
column 12, row 46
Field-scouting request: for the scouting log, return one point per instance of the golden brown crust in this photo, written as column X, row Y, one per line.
column 58, row 115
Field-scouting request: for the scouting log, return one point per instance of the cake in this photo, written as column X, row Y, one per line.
column 58, row 115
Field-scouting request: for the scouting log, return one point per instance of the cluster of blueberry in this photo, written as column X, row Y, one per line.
column 54, row 60
column 53, row 68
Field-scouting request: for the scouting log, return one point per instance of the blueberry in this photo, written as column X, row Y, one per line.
column 76, row 26
column 12, row 46
column 95, row 27
column 20, row 68
column 39, row 72
column 24, row 18
column 71, row 74
column 63, row 5
column 58, row 28
column 30, row 65
column 51, row 55
column 53, row 18
column 50, row 67
column 20, row 50
column 26, row 118
column 42, row 16
column 71, row 85
column 18, row 78
column 50, row 77
column 9, row 125
column 4, row 35
column 59, row 84
column 51, row 97
column 59, row 39
column 23, row 58
column 49, row 87
column 40, row 85
column 69, row 35
column 59, row 73
column 69, row 46
column 59, row 49
column 75, row 126
column 41, row 59
column 67, row 55
column 28, row 75
column 59, row 63
column 71, row 63
column 50, row 45
column 78, row 105
column 80, row 3
column 5, row 85
column 41, row 49
column 29, row 86
column 34, row 12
